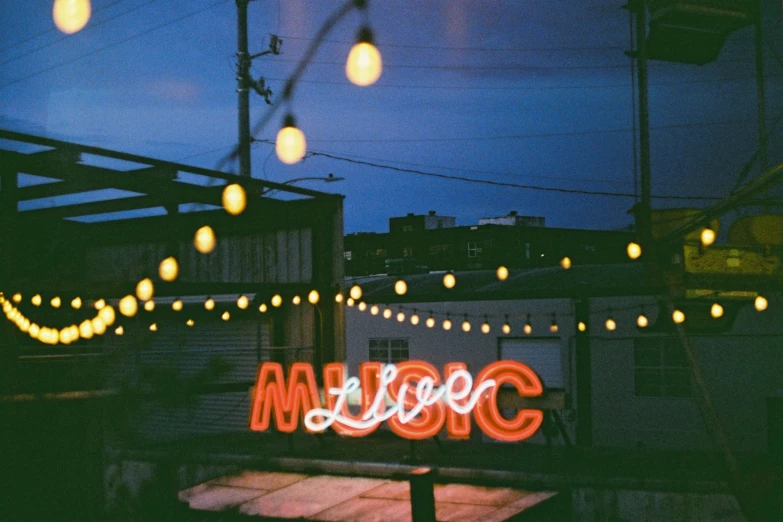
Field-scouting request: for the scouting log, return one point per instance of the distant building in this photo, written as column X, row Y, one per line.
column 421, row 243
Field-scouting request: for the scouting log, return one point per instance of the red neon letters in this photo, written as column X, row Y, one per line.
column 410, row 397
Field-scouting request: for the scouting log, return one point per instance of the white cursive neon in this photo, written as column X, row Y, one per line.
column 426, row 395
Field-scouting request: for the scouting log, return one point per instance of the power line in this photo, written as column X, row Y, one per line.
column 91, row 26
column 115, row 44
column 52, row 30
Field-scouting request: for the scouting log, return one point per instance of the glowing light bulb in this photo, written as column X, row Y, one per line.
column 350, row 301
column 145, row 289
column 234, row 199
column 149, row 305
column 553, row 328
column 55, row 302
column 70, row 16
column 581, row 326
column 36, row 300
column 565, row 263
column 761, row 303
column 291, row 144
column 119, row 330
column 243, row 302
column 374, row 310
column 128, row 306
column 209, row 304
column 35, row 330
column 485, row 328
column 449, row 280
column 414, row 319
column 506, row 328
column 17, row 298
column 313, row 297
column 400, row 287
column 707, row 236
column 387, row 313
column 263, row 308
column 338, row 298
column 634, row 250
column 642, row 321
column 400, row 317
column 85, row 329
column 98, row 326
column 678, row 316
column 204, row 241
column 364, row 64
column 177, row 305
column 362, row 306
column 100, row 303
column 154, row 327
column 716, row 310
column 430, row 322
column 447, row 324
column 296, row 300
column 356, row 292
column 277, row 301
column 168, row 270
column 610, row 324
column 190, row 322
column 226, row 316
column 465, row 326
column 107, row 314
column 502, row 273
column 76, row 303
column 65, row 336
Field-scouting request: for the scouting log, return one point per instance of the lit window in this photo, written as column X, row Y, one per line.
column 347, row 255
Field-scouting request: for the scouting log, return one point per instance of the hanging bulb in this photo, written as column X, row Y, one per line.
column 36, row 300
column 707, row 236
column 263, row 308
column 565, row 263
column 387, row 313
column 760, row 303
column 85, row 329
column 149, row 305
column 209, row 304
column 364, row 64
column 190, row 322
column 581, row 326
column 502, row 273
column 277, row 301
column 243, row 302
column 528, row 328
column 414, row 318
column 610, row 324
column 350, row 301
column 154, row 327
column 374, row 310
column 55, row 302
column 128, row 306
column 204, row 240
column 400, row 287
column 716, row 310
column 466, row 325
column 447, row 323
column 70, row 16
column 35, row 330
column 400, row 317
column 634, row 250
column 108, row 315
column 100, row 303
column 362, row 306
column 145, row 289
column 119, row 330
column 356, row 292
column 226, row 316
column 338, row 298
column 553, row 328
column 98, row 326
column 17, row 298
column 313, row 297
column 430, row 322
column 76, row 303
column 177, row 305
column 168, row 270
column 291, row 144
column 485, row 327
column 234, row 199
column 449, row 280
column 642, row 321
column 678, row 316
column 296, row 300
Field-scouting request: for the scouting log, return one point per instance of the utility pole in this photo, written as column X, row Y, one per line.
column 245, row 82
column 759, row 41
column 644, row 212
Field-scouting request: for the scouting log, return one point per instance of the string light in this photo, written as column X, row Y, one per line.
column 313, row 297
column 387, row 313
column 98, row 326
column 263, row 308
column 634, row 250
column 506, row 328
column 678, row 316
column 350, row 301
column 76, row 303
column 177, row 305
column 502, row 273
column 553, row 328
column 149, row 305
column 430, row 322
column 716, row 310
column 447, row 323
column 528, row 328
column 760, row 303
column 204, row 240
column 485, row 327
column 209, row 304
column 107, row 315
column 400, row 317
column 55, row 302
column 226, row 316
column 581, row 326
column 356, row 292
column 145, row 289
column 466, row 325
column 17, row 298
column 234, row 199
column 85, row 329
column 154, row 327
column 414, row 318
column 128, row 306
column 364, row 64
column 565, row 263
column 610, row 324
column 400, row 287
column 374, row 310
column 449, row 280
column 168, row 270
column 290, row 144
column 100, row 303
column 70, row 16
column 36, row 299
column 119, row 330
column 338, row 298
column 362, row 306
column 277, row 301
column 642, row 321
column 707, row 236
column 296, row 300
column 190, row 322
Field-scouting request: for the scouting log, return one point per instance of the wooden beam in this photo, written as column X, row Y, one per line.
column 93, row 207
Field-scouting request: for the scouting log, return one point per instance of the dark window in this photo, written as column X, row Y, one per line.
column 388, row 350
column 660, row 368
column 474, row 248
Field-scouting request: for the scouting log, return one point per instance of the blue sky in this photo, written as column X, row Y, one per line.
column 468, row 89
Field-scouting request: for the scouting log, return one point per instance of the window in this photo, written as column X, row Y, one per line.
column 474, row 248
column 407, row 251
column 407, row 228
column 660, row 368
column 347, row 255
column 388, row 350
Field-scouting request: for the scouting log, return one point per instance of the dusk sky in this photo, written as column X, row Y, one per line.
column 524, row 92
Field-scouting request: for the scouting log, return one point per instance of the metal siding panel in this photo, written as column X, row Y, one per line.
column 282, row 257
column 306, row 255
column 544, row 356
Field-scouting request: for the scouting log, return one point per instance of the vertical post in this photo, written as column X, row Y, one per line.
column 584, row 375
column 422, row 495
column 760, row 99
column 243, row 88
column 643, row 214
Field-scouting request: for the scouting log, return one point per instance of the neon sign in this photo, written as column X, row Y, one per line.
column 410, row 397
